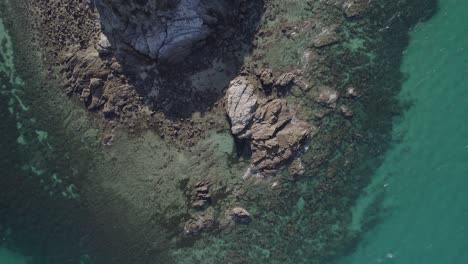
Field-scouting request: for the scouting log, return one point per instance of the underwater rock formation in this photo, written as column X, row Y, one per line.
column 354, row 8
column 239, row 215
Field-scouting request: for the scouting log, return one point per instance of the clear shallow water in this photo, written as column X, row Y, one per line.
column 423, row 215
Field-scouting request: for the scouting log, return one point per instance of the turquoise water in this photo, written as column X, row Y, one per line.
column 422, row 184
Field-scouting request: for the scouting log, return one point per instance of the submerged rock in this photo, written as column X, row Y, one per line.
column 346, row 111
column 352, row 92
column 327, row 37
column 266, row 77
column 276, row 136
column 239, row 215
column 199, row 223
column 201, row 196
column 327, row 96
column 296, row 168
column 353, row 8
column 285, row 80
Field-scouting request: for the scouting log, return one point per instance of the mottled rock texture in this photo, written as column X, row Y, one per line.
column 274, row 133
column 241, row 103
column 165, row 30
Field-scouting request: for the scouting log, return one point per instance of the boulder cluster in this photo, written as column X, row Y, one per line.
column 275, row 135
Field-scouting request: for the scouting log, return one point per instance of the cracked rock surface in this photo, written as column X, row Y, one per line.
column 274, row 133
column 163, row 30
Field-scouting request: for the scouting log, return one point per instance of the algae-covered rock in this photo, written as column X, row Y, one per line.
column 354, row 8
column 239, row 215
column 327, row 37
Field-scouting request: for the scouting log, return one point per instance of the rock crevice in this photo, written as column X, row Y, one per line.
column 275, row 135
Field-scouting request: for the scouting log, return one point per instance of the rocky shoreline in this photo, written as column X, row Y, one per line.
column 293, row 83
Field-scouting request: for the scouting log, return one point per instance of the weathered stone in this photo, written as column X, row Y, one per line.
column 346, row 111
column 352, row 92
column 285, row 80
column 95, row 83
column 266, row 77
column 239, row 215
column 85, row 95
column 328, row 36
column 201, row 196
column 241, row 103
column 271, row 154
column 269, row 119
column 327, row 96
column 163, row 30
column 104, row 46
column 354, row 8
column 296, row 168
column 199, row 223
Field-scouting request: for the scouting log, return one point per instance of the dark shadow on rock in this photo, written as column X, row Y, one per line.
column 186, row 67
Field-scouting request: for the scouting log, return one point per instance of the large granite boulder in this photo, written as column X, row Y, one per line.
column 241, row 104
column 277, row 136
column 274, row 133
column 166, row 30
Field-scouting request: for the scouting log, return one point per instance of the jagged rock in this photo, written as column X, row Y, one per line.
column 285, row 80
column 104, row 46
column 201, row 196
column 352, row 92
column 346, row 111
column 326, row 37
column 355, row 7
column 199, row 223
column 269, row 155
column 327, row 96
column 239, row 215
column 95, row 83
column 276, row 136
column 296, row 168
column 164, row 30
column 269, row 119
column 85, row 95
column 241, row 103
column 266, row 77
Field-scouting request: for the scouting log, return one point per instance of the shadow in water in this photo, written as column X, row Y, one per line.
column 193, row 82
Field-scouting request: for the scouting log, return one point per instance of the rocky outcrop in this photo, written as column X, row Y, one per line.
column 274, row 133
column 241, row 104
column 201, row 196
column 276, row 136
column 166, row 30
column 239, row 215
column 199, row 223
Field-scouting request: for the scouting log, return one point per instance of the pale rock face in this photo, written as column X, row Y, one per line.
column 274, row 133
column 241, row 104
column 162, row 30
